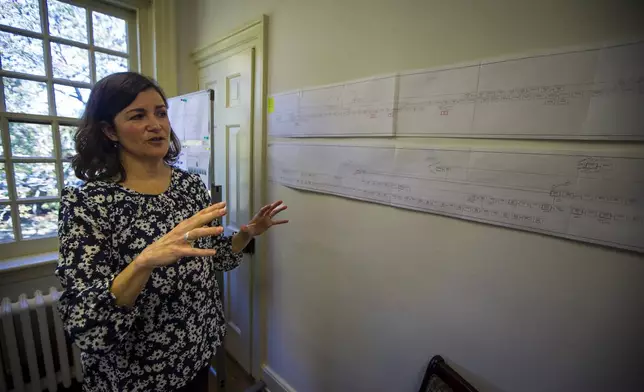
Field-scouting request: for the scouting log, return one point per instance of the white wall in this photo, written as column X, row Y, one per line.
column 361, row 295
column 27, row 280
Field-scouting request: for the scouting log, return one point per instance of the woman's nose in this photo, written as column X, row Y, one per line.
column 154, row 125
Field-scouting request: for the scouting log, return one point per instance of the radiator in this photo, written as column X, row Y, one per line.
column 35, row 351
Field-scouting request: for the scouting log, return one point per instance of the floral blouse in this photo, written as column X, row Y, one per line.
column 176, row 323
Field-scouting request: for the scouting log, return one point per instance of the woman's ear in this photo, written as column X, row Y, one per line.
column 109, row 132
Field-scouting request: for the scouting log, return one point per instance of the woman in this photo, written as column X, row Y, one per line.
column 139, row 247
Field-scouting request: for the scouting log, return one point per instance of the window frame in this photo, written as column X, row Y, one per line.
column 20, row 247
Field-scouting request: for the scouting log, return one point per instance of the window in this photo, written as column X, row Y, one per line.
column 51, row 54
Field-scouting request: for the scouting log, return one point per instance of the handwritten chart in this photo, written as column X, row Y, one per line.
column 588, row 94
column 594, row 197
column 358, row 108
column 584, row 94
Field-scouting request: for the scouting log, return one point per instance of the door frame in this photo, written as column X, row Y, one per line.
column 251, row 36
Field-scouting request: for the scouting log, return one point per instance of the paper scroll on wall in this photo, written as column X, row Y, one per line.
column 585, row 196
column 596, row 93
column 357, row 108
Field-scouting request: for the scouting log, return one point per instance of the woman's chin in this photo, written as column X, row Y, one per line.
column 157, row 153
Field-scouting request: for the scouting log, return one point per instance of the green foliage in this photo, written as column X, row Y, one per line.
column 26, row 55
column 31, row 140
column 38, row 220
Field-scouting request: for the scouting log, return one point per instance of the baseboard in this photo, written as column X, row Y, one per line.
column 275, row 383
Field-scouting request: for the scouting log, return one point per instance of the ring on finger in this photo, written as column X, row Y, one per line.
column 187, row 238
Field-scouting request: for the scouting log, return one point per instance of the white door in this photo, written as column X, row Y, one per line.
column 232, row 81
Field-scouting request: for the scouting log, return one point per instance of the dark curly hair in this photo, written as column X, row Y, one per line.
column 97, row 157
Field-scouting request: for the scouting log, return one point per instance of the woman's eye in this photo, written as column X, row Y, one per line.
column 136, row 117
column 162, row 114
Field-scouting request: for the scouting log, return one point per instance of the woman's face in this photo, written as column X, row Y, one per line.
column 143, row 128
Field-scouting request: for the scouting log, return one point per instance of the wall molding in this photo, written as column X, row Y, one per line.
column 27, row 262
column 240, row 38
column 251, row 36
column 274, row 382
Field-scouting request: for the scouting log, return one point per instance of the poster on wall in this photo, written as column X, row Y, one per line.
column 190, row 118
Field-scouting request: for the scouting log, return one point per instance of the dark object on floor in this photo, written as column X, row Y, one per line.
column 237, row 380
column 200, row 383
column 440, row 377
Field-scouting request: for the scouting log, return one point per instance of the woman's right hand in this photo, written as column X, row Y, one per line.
column 173, row 246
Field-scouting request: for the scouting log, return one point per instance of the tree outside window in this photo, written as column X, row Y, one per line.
column 51, row 54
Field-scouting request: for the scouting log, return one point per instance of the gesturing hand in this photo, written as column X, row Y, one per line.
column 263, row 220
column 174, row 245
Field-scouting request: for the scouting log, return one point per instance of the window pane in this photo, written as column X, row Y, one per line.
column 21, row 54
column 70, row 176
column 35, row 179
column 25, row 96
column 68, row 148
column 107, row 64
column 23, row 14
column 6, row 226
column 31, row 140
column 67, row 21
column 70, row 62
column 38, row 220
column 70, row 101
column 109, row 32
column 4, row 188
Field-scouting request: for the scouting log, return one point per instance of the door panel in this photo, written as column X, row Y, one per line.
column 232, row 80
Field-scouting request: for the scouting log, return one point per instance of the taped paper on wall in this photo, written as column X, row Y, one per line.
column 594, row 93
column 357, row 108
column 590, row 197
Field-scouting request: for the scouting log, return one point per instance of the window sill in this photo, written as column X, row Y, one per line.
column 20, row 263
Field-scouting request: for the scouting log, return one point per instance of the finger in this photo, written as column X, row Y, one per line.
column 280, row 222
column 193, row 221
column 205, row 232
column 264, row 210
column 203, row 220
column 212, row 207
column 277, row 210
column 270, row 207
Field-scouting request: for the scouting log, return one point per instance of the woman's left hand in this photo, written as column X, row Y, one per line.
column 263, row 220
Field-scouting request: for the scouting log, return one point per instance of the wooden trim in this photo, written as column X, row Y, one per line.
column 28, row 262
column 239, row 39
column 128, row 4
column 274, row 382
column 251, row 36
column 120, row 9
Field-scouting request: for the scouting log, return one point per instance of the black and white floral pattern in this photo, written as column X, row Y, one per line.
column 177, row 322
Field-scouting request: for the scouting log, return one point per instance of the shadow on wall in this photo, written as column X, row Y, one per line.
column 27, row 281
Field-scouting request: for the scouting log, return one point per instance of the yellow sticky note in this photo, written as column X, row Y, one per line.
column 271, row 104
